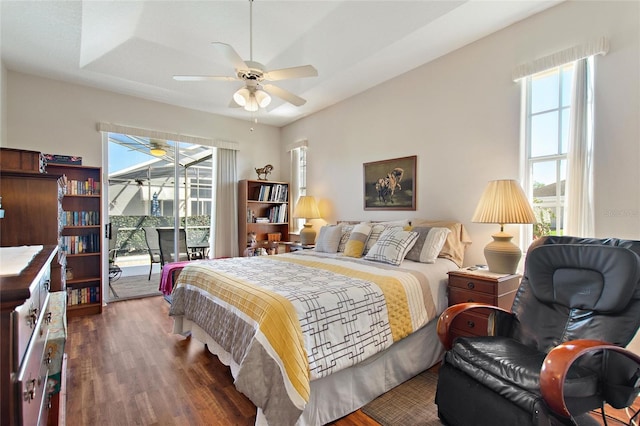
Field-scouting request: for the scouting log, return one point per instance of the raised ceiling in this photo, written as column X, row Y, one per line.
column 135, row 47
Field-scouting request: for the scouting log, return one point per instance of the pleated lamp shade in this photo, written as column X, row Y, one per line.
column 503, row 201
column 306, row 208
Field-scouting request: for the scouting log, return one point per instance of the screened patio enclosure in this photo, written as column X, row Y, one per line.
column 149, row 188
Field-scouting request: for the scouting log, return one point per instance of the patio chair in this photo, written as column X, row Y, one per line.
column 166, row 239
column 114, row 270
column 153, row 246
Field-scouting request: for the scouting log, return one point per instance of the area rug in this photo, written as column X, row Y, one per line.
column 134, row 287
column 411, row 403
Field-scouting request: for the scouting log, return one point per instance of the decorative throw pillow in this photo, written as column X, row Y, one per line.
column 430, row 242
column 357, row 240
column 392, row 246
column 378, row 228
column 346, row 233
column 329, row 238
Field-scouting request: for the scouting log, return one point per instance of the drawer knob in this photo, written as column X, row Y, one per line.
column 46, row 285
column 471, row 285
column 30, row 392
column 32, row 318
column 471, row 324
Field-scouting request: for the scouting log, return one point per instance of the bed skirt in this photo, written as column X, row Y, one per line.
column 348, row 390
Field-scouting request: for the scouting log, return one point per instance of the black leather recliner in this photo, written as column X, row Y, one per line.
column 560, row 352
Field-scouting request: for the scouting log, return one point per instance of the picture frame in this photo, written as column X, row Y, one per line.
column 390, row 184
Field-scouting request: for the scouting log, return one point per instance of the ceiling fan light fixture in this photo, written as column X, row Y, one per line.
column 262, row 98
column 156, row 148
column 252, row 104
column 242, row 96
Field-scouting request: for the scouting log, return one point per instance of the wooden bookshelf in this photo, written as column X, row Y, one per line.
column 262, row 200
column 81, row 237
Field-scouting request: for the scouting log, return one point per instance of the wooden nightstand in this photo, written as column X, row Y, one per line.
column 479, row 286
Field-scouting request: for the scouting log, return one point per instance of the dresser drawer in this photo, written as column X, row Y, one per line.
column 457, row 295
column 27, row 315
column 473, row 284
column 470, row 323
column 32, row 379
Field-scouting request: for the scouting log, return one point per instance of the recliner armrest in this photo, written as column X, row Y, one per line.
column 447, row 317
column 557, row 363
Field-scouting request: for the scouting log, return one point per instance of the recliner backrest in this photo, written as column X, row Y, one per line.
column 577, row 291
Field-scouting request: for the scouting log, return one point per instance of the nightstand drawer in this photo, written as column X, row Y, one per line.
column 469, row 323
column 472, row 283
column 457, row 295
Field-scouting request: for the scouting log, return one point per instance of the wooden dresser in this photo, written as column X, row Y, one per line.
column 25, row 357
column 32, row 201
column 479, row 286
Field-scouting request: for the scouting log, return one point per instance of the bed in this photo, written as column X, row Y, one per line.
column 314, row 335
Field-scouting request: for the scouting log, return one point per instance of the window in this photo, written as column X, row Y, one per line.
column 298, row 185
column 547, row 114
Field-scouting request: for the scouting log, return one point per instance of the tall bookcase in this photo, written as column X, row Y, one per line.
column 263, row 209
column 81, row 237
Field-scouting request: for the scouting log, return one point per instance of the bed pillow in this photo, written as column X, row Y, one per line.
column 392, row 246
column 329, row 238
column 428, row 245
column 457, row 241
column 378, row 228
column 357, row 240
column 346, row 233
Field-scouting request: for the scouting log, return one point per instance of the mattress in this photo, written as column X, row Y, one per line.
column 292, row 326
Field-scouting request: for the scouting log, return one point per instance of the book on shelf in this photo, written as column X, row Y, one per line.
column 79, row 296
column 78, row 244
column 81, row 218
column 272, row 193
column 80, row 187
column 278, row 214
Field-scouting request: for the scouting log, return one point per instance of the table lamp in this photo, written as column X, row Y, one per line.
column 503, row 201
column 306, row 208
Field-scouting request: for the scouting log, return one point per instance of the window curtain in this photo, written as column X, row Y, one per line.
column 225, row 238
column 578, row 214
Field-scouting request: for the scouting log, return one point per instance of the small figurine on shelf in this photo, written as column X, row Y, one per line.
column 251, row 240
column 252, row 243
column 266, row 170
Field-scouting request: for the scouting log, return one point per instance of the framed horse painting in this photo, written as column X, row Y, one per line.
column 390, row 184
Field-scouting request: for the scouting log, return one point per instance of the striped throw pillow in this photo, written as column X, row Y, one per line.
column 357, row 240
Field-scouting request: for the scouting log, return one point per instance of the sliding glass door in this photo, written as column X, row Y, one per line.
column 156, row 184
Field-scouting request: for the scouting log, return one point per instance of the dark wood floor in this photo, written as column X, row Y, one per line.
column 126, row 367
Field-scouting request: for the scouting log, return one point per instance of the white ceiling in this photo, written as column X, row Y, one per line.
column 135, row 47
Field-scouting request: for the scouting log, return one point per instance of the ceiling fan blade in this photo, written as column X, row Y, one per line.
column 233, row 103
column 293, row 72
column 284, row 94
column 204, row 78
column 230, row 53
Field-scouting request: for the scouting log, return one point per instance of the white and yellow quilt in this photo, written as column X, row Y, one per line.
column 289, row 319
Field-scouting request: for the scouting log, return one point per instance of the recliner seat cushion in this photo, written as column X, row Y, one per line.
column 513, row 369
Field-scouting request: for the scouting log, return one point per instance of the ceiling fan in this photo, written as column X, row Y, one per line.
column 255, row 93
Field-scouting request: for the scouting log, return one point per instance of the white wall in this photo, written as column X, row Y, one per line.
column 461, row 116
column 3, row 104
column 60, row 118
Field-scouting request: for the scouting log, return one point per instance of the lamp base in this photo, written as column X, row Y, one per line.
column 307, row 235
column 502, row 255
